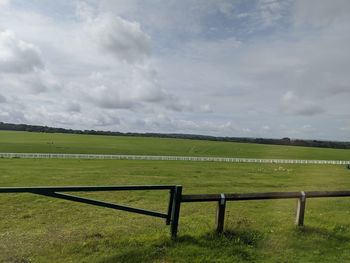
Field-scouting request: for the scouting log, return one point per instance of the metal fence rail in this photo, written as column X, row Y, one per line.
column 56, row 192
column 222, row 198
column 261, row 196
column 175, row 199
column 168, row 158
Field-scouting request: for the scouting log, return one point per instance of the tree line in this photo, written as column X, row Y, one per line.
column 283, row 141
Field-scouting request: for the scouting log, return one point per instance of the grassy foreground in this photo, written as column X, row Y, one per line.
column 40, row 229
column 11, row 141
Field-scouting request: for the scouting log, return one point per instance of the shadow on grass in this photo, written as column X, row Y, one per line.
column 336, row 234
column 240, row 244
column 247, row 237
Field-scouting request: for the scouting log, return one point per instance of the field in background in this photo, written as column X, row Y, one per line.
column 28, row 142
column 40, row 229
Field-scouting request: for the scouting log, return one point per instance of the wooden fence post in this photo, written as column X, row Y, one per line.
column 220, row 214
column 176, row 211
column 299, row 220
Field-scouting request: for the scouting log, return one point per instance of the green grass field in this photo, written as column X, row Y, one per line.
column 70, row 143
column 41, row 229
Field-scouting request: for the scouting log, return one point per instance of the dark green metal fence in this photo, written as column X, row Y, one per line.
column 58, row 192
column 175, row 199
column 222, row 198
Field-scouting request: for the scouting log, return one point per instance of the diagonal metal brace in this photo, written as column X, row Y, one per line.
column 100, row 203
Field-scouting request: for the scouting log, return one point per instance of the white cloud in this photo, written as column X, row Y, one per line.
column 84, row 11
column 22, row 69
column 4, row 3
column 215, row 67
column 18, row 56
column 122, row 38
column 206, row 108
column 270, row 11
column 266, row 128
column 137, row 89
column 33, row 83
column 345, row 128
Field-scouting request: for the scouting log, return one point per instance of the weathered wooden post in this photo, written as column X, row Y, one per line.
column 299, row 220
column 176, row 211
column 220, row 214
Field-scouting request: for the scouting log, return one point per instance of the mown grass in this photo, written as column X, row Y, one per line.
column 40, row 229
column 69, row 143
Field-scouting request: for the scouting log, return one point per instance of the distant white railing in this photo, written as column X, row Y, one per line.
column 165, row 158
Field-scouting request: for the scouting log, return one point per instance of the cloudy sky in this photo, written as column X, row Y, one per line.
column 255, row 68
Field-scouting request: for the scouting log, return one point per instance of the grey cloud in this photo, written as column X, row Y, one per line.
column 12, row 115
column 178, row 104
column 137, row 90
column 73, row 107
column 346, row 128
column 109, row 98
column 293, row 104
column 2, row 99
column 113, row 103
column 320, row 13
column 108, row 120
column 172, row 18
column 17, row 56
column 340, row 89
column 35, row 82
column 28, row 83
column 175, row 104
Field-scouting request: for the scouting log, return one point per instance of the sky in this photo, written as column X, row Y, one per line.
column 241, row 68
